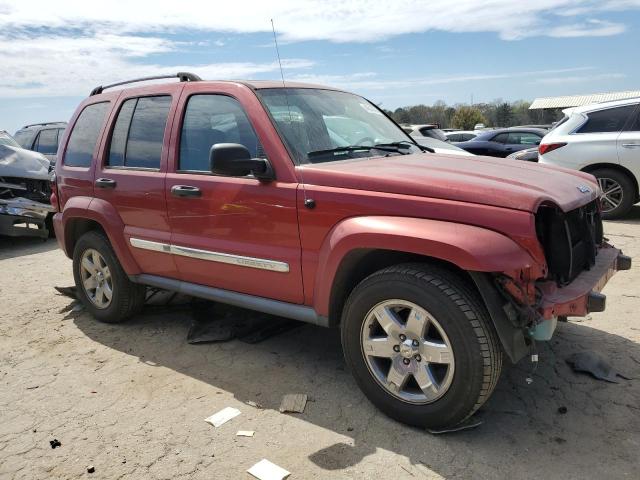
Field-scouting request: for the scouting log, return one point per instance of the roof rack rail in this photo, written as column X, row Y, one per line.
column 183, row 76
column 43, row 123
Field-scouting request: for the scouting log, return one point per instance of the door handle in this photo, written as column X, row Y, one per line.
column 185, row 191
column 631, row 145
column 105, row 183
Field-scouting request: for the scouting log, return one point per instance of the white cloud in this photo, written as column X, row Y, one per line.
column 370, row 81
column 334, row 20
column 59, row 66
column 590, row 28
column 580, row 79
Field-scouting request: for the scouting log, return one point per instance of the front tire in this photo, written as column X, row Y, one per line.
column 101, row 284
column 420, row 345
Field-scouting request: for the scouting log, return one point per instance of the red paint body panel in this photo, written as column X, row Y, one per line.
column 493, row 181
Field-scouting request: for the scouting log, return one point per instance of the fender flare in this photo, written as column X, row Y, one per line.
column 470, row 248
column 103, row 213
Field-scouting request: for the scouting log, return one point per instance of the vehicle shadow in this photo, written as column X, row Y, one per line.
column 524, row 430
column 11, row 247
column 631, row 218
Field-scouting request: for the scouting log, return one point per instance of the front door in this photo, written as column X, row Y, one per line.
column 233, row 233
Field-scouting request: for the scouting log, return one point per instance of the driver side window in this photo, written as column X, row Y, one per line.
column 211, row 119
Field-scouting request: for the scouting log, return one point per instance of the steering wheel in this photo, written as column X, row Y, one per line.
column 363, row 141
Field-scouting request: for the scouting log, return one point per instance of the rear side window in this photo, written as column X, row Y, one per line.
column 500, row 138
column 610, row 120
column 84, row 135
column 47, row 141
column 523, row 138
column 211, row 119
column 138, row 133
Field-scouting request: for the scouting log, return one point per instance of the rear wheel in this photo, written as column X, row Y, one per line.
column 618, row 192
column 420, row 345
column 101, row 283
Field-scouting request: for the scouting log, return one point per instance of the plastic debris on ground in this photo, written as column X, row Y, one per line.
column 245, row 433
column 223, row 416
column 468, row 424
column 266, row 470
column 595, row 364
column 214, row 322
column 293, row 402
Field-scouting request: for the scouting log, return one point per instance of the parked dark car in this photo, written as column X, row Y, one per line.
column 501, row 143
column 528, row 155
column 42, row 138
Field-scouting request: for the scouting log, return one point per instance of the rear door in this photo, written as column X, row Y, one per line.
column 628, row 144
column 517, row 141
column 132, row 172
column 233, row 233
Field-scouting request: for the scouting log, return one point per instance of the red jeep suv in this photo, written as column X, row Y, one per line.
column 310, row 203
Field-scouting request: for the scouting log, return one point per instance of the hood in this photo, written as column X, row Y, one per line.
column 18, row 162
column 486, row 180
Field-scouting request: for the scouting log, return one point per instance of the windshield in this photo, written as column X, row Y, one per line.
column 323, row 125
column 6, row 139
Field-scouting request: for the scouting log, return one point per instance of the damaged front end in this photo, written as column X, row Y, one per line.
column 578, row 262
column 25, row 190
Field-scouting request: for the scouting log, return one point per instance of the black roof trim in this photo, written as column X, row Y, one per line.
column 43, row 124
column 183, row 76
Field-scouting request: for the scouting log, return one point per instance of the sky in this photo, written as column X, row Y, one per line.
column 394, row 52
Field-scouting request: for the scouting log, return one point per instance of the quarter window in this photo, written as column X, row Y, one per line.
column 84, row 135
column 634, row 124
column 138, row 133
column 211, row 119
column 609, row 120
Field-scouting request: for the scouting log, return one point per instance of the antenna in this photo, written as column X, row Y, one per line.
column 308, row 202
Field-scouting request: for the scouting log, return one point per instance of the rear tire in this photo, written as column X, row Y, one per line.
column 613, row 205
column 457, row 382
column 101, row 284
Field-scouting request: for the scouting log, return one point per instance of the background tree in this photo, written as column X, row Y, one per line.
column 467, row 117
column 504, row 115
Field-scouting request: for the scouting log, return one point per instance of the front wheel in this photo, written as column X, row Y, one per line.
column 419, row 344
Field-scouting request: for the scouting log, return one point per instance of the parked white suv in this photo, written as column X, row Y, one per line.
column 604, row 140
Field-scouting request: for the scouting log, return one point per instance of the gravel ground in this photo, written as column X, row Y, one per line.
column 130, row 399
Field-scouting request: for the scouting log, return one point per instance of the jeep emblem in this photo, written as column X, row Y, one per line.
column 584, row 189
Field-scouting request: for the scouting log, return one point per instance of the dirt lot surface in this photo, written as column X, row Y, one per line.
column 130, row 399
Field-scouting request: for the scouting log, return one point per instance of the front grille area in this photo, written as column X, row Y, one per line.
column 570, row 240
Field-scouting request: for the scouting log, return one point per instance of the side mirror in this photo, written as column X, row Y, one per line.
column 235, row 160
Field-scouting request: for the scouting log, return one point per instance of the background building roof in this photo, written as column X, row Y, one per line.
column 579, row 100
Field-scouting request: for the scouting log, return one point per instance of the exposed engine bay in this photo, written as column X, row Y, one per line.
column 25, row 209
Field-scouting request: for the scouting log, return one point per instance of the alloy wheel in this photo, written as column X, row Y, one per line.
column 612, row 194
column 96, row 278
column 407, row 351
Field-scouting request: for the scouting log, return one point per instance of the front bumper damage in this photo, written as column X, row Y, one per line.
column 519, row 323
column 583, row 295
column 21, row 217
column 25, row 208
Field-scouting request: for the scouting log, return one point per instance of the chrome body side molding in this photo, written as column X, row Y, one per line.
column 260, row 304
column 239, row 260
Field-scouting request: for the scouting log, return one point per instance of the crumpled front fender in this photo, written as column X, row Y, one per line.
column 469, row 247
